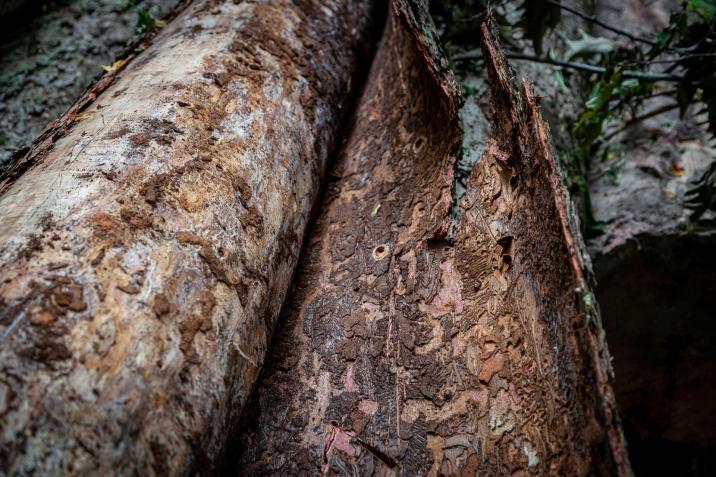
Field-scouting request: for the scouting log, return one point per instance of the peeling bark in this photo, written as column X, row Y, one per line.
column 404, row 350
column 147, row 249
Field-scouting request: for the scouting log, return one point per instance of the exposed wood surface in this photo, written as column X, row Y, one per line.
column 149, row 243
column 406, row 350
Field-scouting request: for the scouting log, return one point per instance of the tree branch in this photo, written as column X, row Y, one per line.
column 638, row 119
column 475, row 54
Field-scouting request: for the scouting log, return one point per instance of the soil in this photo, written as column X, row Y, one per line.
column 50, row 52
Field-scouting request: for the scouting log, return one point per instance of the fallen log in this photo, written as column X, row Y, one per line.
column 148, row 237
column 408, row 350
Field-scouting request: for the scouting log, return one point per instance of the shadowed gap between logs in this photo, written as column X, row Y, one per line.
column 656, row 296
column 227, row 465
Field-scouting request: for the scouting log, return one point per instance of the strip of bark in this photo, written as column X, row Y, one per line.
column 149, row 246
column 403, row 353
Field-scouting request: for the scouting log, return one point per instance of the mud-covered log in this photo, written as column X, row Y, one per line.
column 408, row 350
column 149, row 243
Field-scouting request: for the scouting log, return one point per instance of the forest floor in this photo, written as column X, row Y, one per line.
column 50, row 52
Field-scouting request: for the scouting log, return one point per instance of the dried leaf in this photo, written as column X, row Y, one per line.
column 84, row 115
column 115, row 67
column 588, row 46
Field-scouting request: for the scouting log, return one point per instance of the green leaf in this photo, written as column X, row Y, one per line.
column 602, row 92
column 145, row 20
column 538, row 17
column 702, row 197
column 470, row 90
column 705, row 8
column 558, row 76
column 588, row 46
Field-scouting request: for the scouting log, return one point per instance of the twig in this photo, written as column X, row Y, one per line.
column 701, row 111
column 475, row 54
column 606, row 26
column 638, row 119
column 479, row 15
column 693, row 47
column 669, row 92
column 679, row 59
column 640, row 98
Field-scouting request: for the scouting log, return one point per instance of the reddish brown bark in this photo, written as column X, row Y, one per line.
column 406, row 351
column 147, row 250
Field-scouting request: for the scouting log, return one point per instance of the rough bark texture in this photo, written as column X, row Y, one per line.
column 405, row 351
column 147, row 250
column 654, row 278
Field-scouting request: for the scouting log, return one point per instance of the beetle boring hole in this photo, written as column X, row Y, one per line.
column 380, row 252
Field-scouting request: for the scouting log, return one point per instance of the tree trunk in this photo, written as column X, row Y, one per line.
column 149, row 245
column 408, row 350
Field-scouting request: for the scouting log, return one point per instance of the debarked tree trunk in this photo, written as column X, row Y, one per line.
column 408, row 350
column 149, row 243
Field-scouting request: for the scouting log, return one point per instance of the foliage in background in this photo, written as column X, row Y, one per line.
column 686, row 48
column 678, row 63
column 459, row 22
column 145, row 21
column 690, row 34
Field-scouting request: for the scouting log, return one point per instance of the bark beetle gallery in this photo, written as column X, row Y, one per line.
column 150, row 241
column 147, row 251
